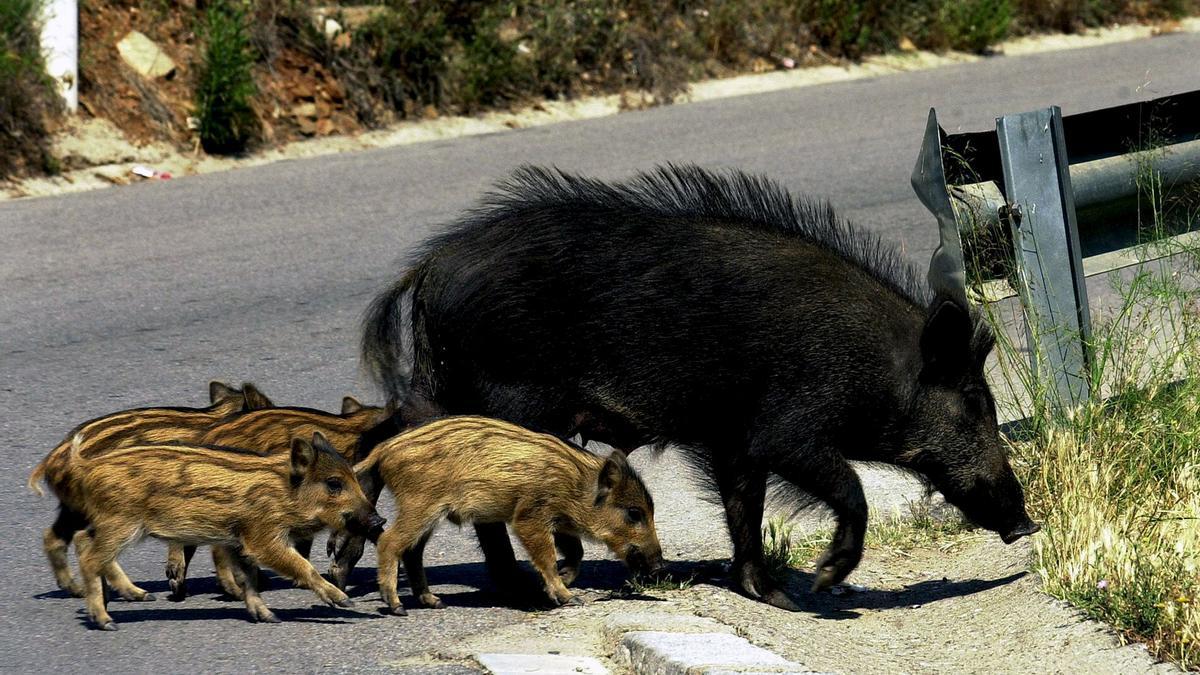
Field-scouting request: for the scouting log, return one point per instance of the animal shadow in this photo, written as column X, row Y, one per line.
column 828, row 605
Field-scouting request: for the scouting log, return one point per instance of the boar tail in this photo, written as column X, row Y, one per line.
column 38, row 475
column 385, row 336
column 76, row 444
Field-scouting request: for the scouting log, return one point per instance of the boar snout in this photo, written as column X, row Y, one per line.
column 1024, row 529
column 640, row 562
column 369, row 524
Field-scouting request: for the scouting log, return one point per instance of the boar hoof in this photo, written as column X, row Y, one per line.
column 147, row 597
column 398, row 610
column 74, row 588
column 568, row 575
column 344, row 602
column 827, row 577
column 108, row 625
column 266, row 616
column 777, row 598
column 432, row 601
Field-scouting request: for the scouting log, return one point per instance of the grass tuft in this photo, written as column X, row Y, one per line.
column 1115, row 481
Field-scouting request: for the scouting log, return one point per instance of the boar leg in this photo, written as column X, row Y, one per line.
column 246, row 574
column 414, row 567
column 499, row 556
column 743, row 490
column 56, row 540
column 828, row 477
column 225, row 567
column 114, row 575
column 97, row 555
column 398, row 540
column 179, row 557
column 303, row 546
column 535, row 535
column 571, row 549
column 271, row 551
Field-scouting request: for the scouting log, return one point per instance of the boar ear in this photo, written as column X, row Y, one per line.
column 614, row 468
column 351, row 405
column 219, row 391
column 319, row 443
column 946, row 341
column 255, row 399
column 304, row 456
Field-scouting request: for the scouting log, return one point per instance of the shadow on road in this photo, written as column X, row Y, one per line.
column 151, row 612
column 829, row 606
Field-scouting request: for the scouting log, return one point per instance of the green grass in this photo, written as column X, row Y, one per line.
column 28, row 99
column 661, row 583
column 225, row 80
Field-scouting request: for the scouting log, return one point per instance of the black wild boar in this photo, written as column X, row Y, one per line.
column 141, row 426
column 715, row 312
column 474, row 469
column 220, row 497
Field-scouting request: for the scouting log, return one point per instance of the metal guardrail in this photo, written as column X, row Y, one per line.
column 1044, row 201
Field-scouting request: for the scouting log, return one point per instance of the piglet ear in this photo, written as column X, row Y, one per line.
column 304, row 456
column 946, row 341
column 255, row 399
column 615, row 466
column 219, row 391
column 351, row 405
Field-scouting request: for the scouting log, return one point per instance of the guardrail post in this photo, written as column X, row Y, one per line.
column 1041, row 211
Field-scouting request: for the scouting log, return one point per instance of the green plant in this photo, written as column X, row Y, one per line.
column 777, row 546
column 225, row 80
column 28, row 99
column 975, row 25
column 663, row 582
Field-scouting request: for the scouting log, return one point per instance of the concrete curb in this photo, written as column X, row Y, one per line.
column 540, row 664
column 665, row 653
column 653, row 643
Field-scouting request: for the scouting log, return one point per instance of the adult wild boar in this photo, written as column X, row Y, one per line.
column 715, row 312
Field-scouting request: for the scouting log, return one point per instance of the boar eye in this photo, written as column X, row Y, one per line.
column 634, row 515
column 334, row 484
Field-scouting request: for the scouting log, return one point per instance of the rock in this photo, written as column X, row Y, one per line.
column 145, row 57
column 305, row 110
column 324, row 126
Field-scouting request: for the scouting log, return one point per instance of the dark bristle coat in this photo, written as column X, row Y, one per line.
column 711, row 311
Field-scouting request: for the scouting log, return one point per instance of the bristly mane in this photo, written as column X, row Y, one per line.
column 733, row 198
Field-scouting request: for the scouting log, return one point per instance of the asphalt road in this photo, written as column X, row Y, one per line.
column 140, row 295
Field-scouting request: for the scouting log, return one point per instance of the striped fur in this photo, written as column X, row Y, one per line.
column 271, row 431
column 237, row 499
column 111, row 432
column 475, row 469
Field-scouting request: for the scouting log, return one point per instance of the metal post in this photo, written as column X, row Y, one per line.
column 1037, row 185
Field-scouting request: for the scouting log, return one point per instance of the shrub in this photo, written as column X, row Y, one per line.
column 28, row 99
column 225, row 81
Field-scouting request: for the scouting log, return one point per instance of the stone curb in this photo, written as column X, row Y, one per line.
column 670, row 653
column 540, row 664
